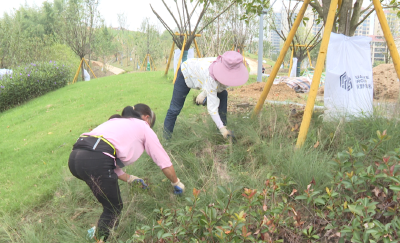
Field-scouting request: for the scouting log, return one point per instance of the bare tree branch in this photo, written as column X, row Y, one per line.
column 216, row 17
column 365, row 17
column 367, row 8
column 169, row 10
column 180, row 18
column 176, row 40
column 317, row 6
column 188, row 17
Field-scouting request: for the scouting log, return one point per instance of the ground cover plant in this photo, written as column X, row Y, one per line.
column 262, row 160
column 32, row 80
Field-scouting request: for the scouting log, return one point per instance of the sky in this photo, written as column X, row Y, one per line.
column 134, row 10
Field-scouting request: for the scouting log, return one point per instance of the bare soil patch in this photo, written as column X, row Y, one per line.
column 245, row 98
column 386, row 84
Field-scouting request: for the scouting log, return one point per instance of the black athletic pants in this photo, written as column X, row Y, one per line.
column 97, row 170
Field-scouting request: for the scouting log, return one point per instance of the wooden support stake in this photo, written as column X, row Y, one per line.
column 394, row 53
column 279, row 61
column 170, row 57
column 77, row 72
column 305, row 124
column 197, row 49
column 89, row 67
column 291, row 62
column 180, row 59
column 309, row 57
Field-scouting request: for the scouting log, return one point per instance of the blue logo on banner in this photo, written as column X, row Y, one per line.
column 345, row 82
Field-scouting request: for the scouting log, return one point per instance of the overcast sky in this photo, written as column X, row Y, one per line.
column 134, row 10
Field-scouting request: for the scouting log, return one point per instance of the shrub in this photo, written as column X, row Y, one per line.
column 30, row 81
column 361, row 204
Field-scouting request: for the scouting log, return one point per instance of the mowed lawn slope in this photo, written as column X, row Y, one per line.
column 37, row 137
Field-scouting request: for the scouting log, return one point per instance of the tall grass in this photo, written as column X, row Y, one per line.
column 201, row 157
column 202, row 160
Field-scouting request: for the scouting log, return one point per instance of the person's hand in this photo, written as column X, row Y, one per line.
column 200, row 98
column 179, row 188
column 225, row 132
column 136, row 179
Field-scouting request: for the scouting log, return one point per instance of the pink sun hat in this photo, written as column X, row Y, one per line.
column 229, row 69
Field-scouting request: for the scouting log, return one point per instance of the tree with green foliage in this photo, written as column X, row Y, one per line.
column 104, row 43
column 78, row 22
column 148, row 42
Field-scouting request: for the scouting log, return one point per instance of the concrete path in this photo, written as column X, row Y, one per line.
column 253, row 66
column 110, row 68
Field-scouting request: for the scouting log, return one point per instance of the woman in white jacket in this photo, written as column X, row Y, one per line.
column 213, row 76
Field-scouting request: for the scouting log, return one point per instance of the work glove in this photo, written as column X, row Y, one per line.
column 225, row 132
column 201, row 98
column 134, row 179
column 179, row 188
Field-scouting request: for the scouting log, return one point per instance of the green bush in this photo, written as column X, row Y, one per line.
column 30, row 81
column 361, row 204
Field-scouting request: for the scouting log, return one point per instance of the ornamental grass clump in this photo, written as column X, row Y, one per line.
column 32, row 80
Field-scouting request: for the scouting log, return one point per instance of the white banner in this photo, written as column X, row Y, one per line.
column 294, row 68
column 177, row 52
column 348, row 85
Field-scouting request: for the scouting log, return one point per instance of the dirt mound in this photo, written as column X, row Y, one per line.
column 280, row 92
column 386, row 85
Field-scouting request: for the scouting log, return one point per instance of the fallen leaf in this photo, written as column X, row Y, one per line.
column 265, row 207
column 293, row 192
column 376, row 191
column 50, row 133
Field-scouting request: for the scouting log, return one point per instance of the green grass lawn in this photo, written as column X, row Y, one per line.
column 37, row 137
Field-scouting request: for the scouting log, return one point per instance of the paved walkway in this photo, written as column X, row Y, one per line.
column 110, row 68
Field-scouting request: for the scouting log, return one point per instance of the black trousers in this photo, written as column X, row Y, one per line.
column 97, row 170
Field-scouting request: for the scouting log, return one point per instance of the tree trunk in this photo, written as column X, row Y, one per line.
column 344, row 16
column 82, row 68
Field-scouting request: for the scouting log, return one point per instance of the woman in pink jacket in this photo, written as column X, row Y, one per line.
column 98, row 156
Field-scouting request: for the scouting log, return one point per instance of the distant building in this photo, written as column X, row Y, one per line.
column 393, row 22
column 273, row 36
column 378, row 49
column 364, row 28
column 378, row 44
column 312, row 22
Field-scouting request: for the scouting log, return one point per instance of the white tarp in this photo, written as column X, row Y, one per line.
column 294, row 68
column 5, row 72
column 177, row 52
column 348, row 84
column 86, row 75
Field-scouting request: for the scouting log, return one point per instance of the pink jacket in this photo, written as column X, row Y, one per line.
column 130, row 137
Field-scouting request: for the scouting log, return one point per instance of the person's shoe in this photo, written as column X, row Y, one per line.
column 90, row 233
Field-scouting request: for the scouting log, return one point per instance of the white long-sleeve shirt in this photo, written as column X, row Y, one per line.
column 197, row 76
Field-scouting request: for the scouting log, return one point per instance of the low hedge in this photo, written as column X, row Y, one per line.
column 32, row 80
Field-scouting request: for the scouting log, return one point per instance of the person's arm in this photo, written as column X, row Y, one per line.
column 169, row 172
column 155, row 150
column 124, row 177
column 213, row 102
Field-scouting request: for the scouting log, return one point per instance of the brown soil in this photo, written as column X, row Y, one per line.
column 386, row 85
column 278, row 92
column 245, row 98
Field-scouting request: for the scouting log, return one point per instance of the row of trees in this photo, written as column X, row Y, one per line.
column 31, row 33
